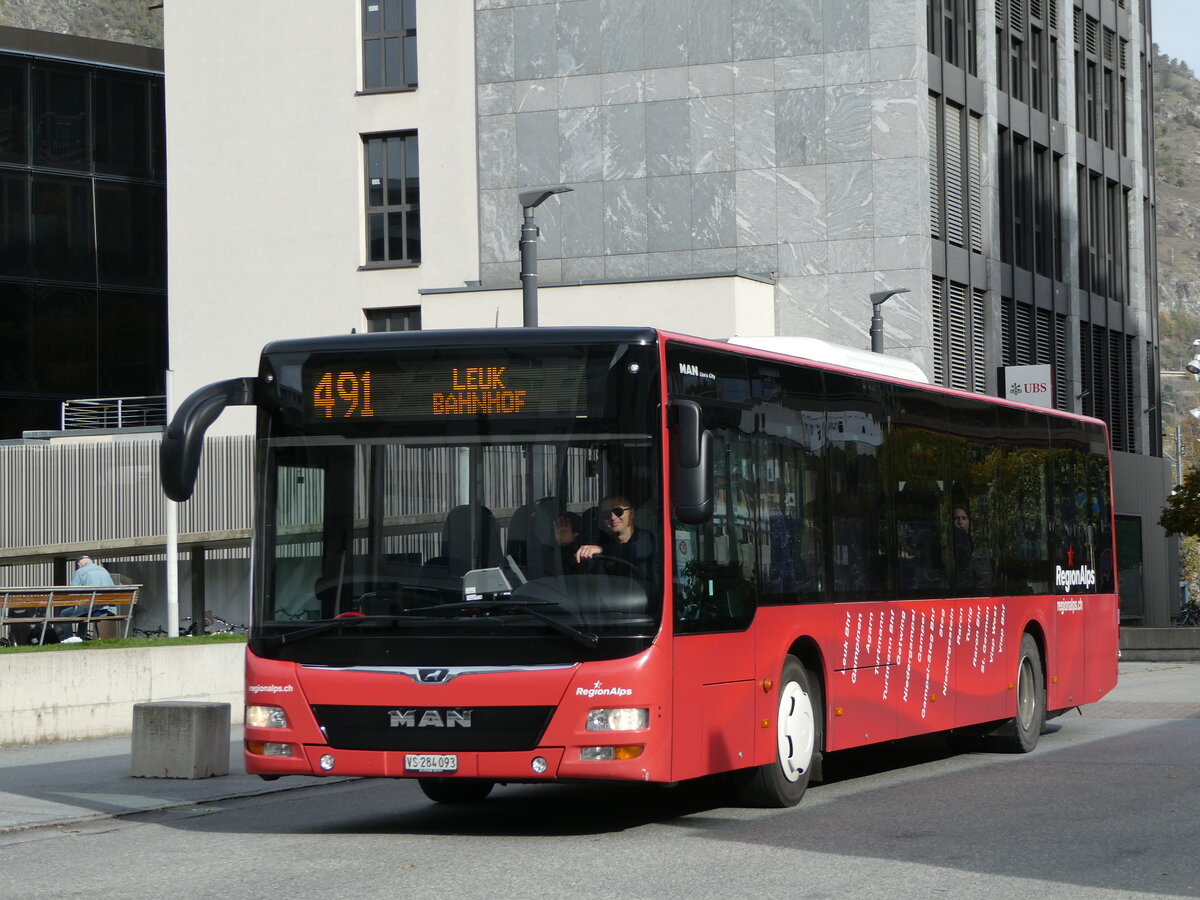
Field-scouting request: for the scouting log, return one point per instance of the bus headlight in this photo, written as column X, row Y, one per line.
column 266, row 717
column 618, row 719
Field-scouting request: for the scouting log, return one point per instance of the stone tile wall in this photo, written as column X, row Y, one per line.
column 763, row 136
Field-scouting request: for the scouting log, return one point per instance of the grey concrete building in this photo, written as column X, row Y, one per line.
column 992, row 157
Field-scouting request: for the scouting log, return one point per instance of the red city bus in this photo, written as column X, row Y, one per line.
column 529, row 555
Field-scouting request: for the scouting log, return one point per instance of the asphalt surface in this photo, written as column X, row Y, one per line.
column 66, row 783
column 71, row 782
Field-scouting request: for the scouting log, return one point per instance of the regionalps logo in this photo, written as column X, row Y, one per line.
column 599, row 690
column 1072, row 576
column 1084, row 577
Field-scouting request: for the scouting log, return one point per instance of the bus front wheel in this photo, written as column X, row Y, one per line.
column 799, row 725
column 456, row 790
column 1020, row 734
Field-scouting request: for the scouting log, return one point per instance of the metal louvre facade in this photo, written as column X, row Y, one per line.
column 105, row 490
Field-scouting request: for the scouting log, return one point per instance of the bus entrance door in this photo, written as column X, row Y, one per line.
column 714, row 722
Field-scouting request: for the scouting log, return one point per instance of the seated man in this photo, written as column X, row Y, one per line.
column 620, row 539
column 87, row 574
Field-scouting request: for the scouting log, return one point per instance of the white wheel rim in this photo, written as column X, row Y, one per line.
column 795, row 732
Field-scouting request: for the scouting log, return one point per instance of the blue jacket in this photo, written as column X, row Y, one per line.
column 92, row 574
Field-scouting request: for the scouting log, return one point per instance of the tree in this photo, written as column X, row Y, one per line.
column 1181, row 515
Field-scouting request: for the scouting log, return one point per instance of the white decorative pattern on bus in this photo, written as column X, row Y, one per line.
column 880, row 640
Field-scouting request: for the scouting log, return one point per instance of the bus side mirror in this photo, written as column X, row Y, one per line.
column 692, row 475
column 183, row 439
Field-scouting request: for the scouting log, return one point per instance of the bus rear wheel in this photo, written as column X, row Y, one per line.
column 456, row 790
column 799, row 725
column 1020, row 734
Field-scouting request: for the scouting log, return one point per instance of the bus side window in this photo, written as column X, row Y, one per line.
column 919, row 451
column 791, row 510
column 859, row 500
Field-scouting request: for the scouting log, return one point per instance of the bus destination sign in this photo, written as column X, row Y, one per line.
column 434, row 388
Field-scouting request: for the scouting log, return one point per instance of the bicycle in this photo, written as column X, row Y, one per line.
column 213, row 624
column 1189, row 615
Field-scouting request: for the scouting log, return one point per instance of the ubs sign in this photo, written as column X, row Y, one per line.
column 1033, row 385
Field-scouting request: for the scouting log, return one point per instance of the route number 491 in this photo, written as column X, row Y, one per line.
column 348, row 394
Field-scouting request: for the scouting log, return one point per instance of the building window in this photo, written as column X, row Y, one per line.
column 400, row 318
column 1054, row 78
column 1016, row 55
column 392, row 199
column 1037, row 70
column 389, row 30
column 1043, row 212
column 950, row 31
column 958, row 335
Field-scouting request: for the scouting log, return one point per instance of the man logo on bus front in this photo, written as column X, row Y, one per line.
column 434, row 676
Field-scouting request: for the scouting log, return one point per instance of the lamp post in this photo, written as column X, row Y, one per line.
column 531, row 200
column 878, row 298
column 1178, row 440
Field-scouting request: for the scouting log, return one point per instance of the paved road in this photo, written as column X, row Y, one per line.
column 1107, row 806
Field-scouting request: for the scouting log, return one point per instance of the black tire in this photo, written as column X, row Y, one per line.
column 456, row 790
column 800, row 737
column 1021, row 733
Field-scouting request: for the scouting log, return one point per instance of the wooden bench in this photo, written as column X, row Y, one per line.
column 39, row 606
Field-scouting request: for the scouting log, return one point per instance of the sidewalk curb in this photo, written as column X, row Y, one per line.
column 170, row 804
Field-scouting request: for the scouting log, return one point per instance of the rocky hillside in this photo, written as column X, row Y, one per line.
column 1177, row 153
column 124, row 21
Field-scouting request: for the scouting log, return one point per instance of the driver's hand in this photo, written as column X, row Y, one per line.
column 587, row 551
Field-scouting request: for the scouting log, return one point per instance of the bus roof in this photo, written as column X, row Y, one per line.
column 802, row 348
column 835, row 354
column 465, row 337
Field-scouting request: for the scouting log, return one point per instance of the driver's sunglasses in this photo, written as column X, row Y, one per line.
column 617, row 511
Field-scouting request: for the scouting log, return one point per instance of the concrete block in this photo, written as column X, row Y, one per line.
column 180, row 739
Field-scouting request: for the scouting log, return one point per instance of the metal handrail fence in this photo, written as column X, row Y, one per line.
column 114, row 412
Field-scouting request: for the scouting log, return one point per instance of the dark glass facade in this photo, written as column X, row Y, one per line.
column 1066, row 201
column 83, row 304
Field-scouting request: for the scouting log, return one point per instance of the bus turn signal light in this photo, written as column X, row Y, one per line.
column 269, row 748
column 602, row 754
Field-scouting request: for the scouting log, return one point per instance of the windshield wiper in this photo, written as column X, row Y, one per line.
column 586, row 638
column 275, row 640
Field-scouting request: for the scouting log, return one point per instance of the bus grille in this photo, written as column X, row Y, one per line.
column 421, row 728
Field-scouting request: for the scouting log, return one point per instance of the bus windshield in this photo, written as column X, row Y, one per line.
column 466, row 541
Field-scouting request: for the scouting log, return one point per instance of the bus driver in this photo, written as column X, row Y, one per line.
column 619, row 537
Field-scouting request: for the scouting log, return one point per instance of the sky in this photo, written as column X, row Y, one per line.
column 1176, row 29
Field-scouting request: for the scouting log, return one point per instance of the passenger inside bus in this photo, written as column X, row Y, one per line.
column 972, row 567
column 567, row 536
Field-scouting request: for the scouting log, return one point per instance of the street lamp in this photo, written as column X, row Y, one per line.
column 531, row 200
column 878, row 298
column 1178, row 437
column 1193, row 367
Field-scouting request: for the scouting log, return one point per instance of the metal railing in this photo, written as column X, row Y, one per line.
column 114, row 412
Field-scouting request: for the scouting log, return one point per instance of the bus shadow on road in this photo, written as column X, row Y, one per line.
column 532, row 810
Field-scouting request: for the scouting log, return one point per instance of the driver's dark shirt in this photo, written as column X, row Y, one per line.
column 638, row 552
